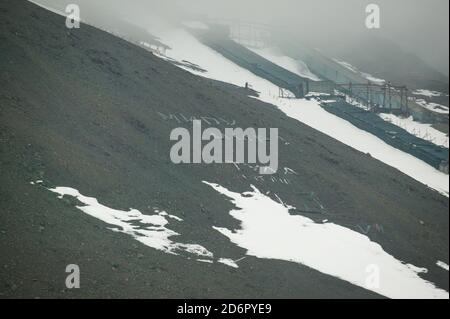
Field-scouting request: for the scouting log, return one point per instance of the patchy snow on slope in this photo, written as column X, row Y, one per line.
column 295, row 66
column 434, row 107
column 442, row 264
column 347, row 65
column 54, row 10
column 196, row 25
column 269, row 231
column 186, row 47
column 150, row 230
column 354, row 69
column 228, row 262
column 310, row 113
column 421, row 130
column 428, row 93
column 353, row 101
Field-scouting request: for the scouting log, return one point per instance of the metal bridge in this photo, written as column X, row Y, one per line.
column 376, row 96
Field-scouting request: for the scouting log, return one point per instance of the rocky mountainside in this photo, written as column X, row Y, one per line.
column 83, row 109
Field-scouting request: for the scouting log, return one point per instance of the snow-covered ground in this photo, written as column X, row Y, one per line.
column 428, row 93
column 52, row 9
column 186, row 47
column 267, row 230
column 295, row 66
column 421, row 130
column 434, row 107
column 196, row 25
column 150, row 230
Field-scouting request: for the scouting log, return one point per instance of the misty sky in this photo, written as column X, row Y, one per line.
column 418, row 26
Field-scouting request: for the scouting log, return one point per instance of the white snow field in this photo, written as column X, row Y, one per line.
column 150, row 230
column 442, row 264
column 427, row 93
column 354, row 69
column 267, row 230
column 186, row 47
column 51, row 9
column 295, row 66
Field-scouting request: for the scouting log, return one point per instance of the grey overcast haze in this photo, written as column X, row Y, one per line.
column 418, row 26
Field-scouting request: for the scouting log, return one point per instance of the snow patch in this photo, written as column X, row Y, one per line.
column 269, row 231
column 373, row 79
column 150, row 230
column 54, row 10
column 310, row 113
column 347, row 65
column 421, row 130
column 295, row 66
column 354, row 69
column 316, row 94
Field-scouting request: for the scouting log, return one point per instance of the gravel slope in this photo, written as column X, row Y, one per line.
column 80, row 109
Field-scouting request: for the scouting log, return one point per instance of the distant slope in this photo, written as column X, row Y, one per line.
column 225, row 65
column 84, row 109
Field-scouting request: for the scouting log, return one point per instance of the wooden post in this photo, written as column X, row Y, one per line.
column 390, row 96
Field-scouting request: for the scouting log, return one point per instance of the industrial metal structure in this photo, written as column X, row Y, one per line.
column 336, row 80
